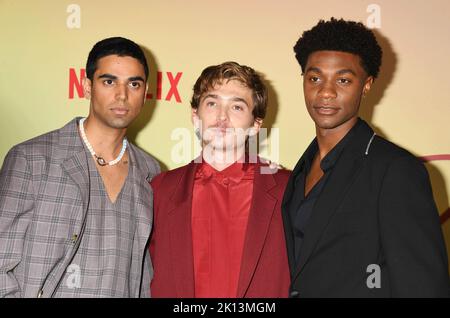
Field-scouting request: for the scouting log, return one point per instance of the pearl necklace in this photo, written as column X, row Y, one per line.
column 102, row 162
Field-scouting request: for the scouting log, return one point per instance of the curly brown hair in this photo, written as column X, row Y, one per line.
column 217, row 74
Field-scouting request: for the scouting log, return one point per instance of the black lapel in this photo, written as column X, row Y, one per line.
column 342, row 177
column 286, row 206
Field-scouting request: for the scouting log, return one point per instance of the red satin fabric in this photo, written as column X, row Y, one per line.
column 220, row 208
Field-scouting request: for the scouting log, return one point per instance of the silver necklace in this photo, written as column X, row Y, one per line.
column 102, row 162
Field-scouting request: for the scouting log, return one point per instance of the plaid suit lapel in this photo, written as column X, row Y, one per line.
column 75, row 165
column 143, row 212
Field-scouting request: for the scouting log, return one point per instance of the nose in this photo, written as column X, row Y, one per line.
column 327, row 91
column 222, row 114
column 121, row 92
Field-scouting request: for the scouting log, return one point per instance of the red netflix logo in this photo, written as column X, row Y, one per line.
column 75, row 85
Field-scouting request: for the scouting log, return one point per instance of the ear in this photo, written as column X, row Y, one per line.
column 87, row 86
column 146, row 91
column 367, row 85
column 194, row 116
column 257, row 123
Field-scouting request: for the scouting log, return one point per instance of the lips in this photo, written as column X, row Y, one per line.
column 121, row 111
column 221, row 129
column 326, row 110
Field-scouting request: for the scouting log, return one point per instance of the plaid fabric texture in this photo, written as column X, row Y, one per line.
column 46, row 199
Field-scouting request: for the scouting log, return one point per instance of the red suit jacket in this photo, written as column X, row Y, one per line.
column 264, row 269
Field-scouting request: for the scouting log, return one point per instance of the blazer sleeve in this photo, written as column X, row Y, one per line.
column 411, row 234
column 16, row 207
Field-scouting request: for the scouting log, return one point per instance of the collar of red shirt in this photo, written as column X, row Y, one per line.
column 234, row 173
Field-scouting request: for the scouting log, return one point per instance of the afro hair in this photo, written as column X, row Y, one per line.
column 340, row 35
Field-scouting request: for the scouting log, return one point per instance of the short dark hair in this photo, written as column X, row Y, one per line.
column 340, row 35
column 114, row 46
column 225, row 72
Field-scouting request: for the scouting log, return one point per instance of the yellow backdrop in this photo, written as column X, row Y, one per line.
column 45, row 45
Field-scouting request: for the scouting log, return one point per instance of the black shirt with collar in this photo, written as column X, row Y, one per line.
column 301, row 206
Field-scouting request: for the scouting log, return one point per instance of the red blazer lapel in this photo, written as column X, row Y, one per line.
column 180, row 211
column 261, row 211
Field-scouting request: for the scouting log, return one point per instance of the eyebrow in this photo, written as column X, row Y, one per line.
column 113, row 77
column 136, row 78
column 313, row 69
column 108, row 76
column 340, row 72
column 234, row 99
column 345, row 71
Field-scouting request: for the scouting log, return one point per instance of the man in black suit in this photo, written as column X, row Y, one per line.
column 358, row 211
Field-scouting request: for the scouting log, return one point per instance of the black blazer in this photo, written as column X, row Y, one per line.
column 376, row 208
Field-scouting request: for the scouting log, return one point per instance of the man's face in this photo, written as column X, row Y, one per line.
column 334, row 83
column 117, row 91
column 225, row 116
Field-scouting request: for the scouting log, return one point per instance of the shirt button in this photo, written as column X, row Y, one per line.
column 74, row 238
column 225, row 181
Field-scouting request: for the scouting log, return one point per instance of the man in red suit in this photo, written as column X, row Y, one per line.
column 218, row 230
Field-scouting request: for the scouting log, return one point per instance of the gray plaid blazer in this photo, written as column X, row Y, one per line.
column 44, row 197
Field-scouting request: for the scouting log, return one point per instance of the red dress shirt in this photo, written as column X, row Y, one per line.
column 220, row 209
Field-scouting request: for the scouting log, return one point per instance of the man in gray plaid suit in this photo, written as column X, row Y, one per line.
column 75, row 203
